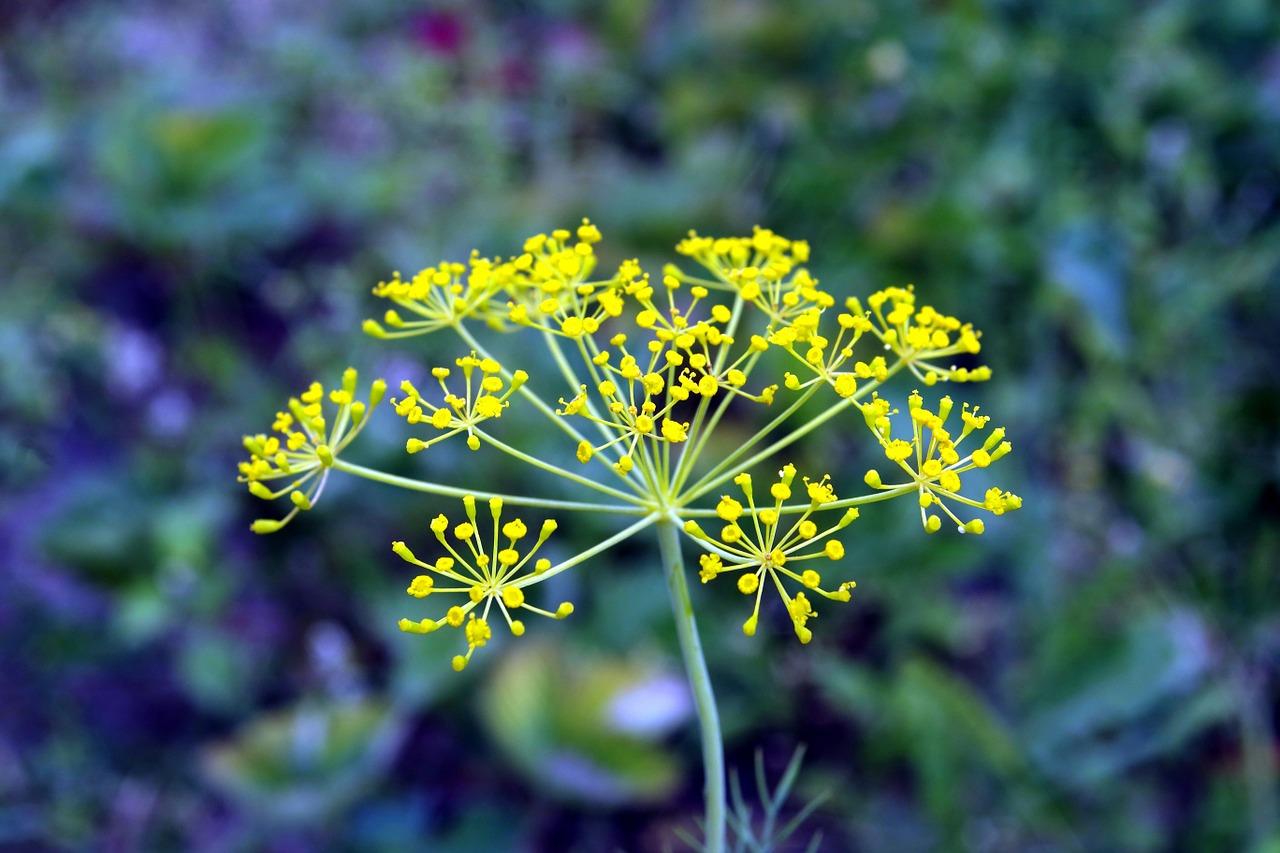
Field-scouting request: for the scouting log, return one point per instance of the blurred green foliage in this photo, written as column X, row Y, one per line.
column 194, row 199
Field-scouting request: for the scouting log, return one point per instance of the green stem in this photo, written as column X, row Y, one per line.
column 704, row 699
column 729, row 460
column 524, row 391
column 553, row 469
column 589, row 553
column 455, row 492
column 843, row 503
column 712, row 480
column 715, row 284
column 570, row 377
column 699, row 435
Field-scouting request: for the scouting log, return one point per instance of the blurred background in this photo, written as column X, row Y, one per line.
column 195, row 199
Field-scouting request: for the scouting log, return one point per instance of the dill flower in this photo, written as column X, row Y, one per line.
column 650, row 368
column 763, row 269
column 681, row 359
column 824, row 356
column 550, row 290
column 635, row 417
column 556, row 262
column 698, row 352
column 486, row 574
column 652, row 365
column 933, row 461
column 304, row 445
column 766, row 553
column 438, row 297
column 920, row 337
column 485, row 396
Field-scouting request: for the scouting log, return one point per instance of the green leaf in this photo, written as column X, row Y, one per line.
column 586, row 728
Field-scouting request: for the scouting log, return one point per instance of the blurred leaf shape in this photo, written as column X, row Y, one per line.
column 102, row 531
column 587, row 729
column 1152, row 692
column 178, row 179
column 963, row 752
column 27, row 154
column 1089, row 261
column 305, row 763
column 950, row 731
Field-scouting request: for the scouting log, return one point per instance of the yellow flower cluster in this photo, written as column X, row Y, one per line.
column 484, row 397
column 484, row 571
column 922, row 336
column 556, row 262
column 550, row 290
column 762, row 269
column 697, row 354
column 439, row 296
column 544, row 285
column 305, row 444
column 825, row 357
column 654, row 366
column 766, row 554
column 934, row 462
column 682, row 359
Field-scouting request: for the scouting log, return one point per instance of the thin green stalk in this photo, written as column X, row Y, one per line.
column 554, row 469
column 556, row 353
column 843, row 503
column 712, row 480
column 524, row 391
column 697, row 438
column 455, row 492
column 690, row 456
column 704, row 699
column 709, row 480
column 566, row 370
column 714, row 284
column 589, row 553
column 698, row 434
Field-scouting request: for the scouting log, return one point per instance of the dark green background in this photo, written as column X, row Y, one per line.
column 195, row 199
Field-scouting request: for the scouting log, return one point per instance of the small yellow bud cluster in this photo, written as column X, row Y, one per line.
column 697, row 354
column 762, row 269
column 631, row 411
column 921, row 337
column 825, row 357
column 550, row 290
column 485, row 396
column 305, row 444
column 486, row 573
column 684, row 360
column 545, row 286
column 752, row 542
column 559, row 260
column 440, row 296
column 937, row 460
